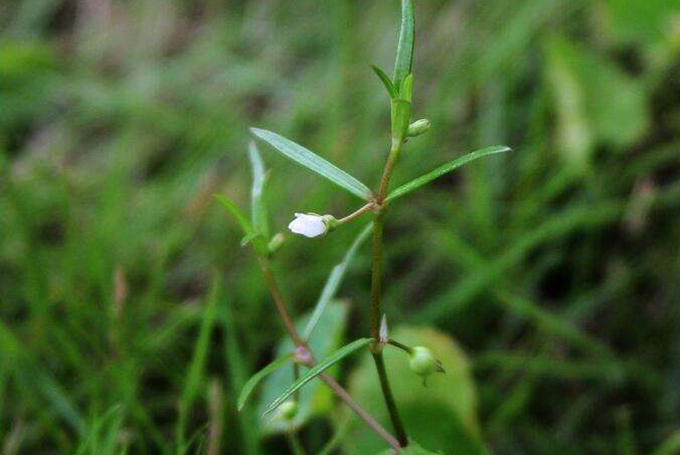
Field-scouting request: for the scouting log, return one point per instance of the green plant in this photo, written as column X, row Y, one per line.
column 256, row 233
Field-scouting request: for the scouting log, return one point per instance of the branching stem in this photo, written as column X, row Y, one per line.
column 300, row 343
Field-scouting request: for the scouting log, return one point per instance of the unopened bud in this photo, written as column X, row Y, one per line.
column 423, row 363
column 418, row 127
column 288, row 410
column 276, row 242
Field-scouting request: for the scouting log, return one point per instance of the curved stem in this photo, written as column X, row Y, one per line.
column 401, row 346
column 356, row 214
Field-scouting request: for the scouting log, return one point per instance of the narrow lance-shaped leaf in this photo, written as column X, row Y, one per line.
column 333, row 282
column 314, row 162
column 446, row 168
column 319, row 368
column 391, row 89
column 250, row 234
column 258, row 206
column 255, row 379
column 237, row 213
column 402, row 65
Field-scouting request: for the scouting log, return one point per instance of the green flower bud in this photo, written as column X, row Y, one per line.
column 275, row 243
column 288, row 410
column 422, row 362
column 418, row 127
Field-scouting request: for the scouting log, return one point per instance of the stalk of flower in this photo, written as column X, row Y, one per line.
column 312, row 225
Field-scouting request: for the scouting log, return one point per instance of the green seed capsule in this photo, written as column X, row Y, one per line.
column 422, row 362
column 418, row 127
column 288, row 410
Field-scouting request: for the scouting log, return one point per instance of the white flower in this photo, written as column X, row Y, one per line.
column 308, row 225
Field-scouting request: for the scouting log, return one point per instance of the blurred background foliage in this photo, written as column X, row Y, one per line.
column 555, row 267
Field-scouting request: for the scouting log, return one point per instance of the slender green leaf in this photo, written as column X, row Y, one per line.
column 402, row 65
column 318, row 369
column 333, row 282
column 238, row 214
column 384, row 78
column 314, row 162
column 251, row 236
column 315, row 399
column 259, row 376
column 446, row 168
column 258, row 206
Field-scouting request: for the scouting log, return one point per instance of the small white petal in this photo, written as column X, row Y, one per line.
column 308, row 225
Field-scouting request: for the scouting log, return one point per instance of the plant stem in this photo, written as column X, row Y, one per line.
column 376, row 292
column 297, row 340
column 356, row 214
column 278, row 302
column 401, row 346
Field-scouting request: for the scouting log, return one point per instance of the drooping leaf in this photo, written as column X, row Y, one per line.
column 318, row 369
column 441, row 416
column 444, row 169
column 333, row 282
column 402, row 65
column 258, row 206
column 315, row 398
column 389, row 86
column 259, row 376
column 314, row 162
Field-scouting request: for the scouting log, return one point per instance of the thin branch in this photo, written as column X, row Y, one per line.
column 356, row 214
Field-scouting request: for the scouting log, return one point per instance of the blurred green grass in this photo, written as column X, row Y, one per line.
column 556, row 267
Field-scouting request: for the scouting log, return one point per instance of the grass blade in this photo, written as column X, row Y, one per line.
column 314, row 162
column 444, row 169
column 333, row 282
column 391, row 89
column 246, row 422
column 195, row 373
column 402, row 65
column 259, row 376
column 318, row 369
column 258, row 206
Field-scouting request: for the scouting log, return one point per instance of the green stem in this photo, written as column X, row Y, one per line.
column 376, row 291
column 401, row 346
